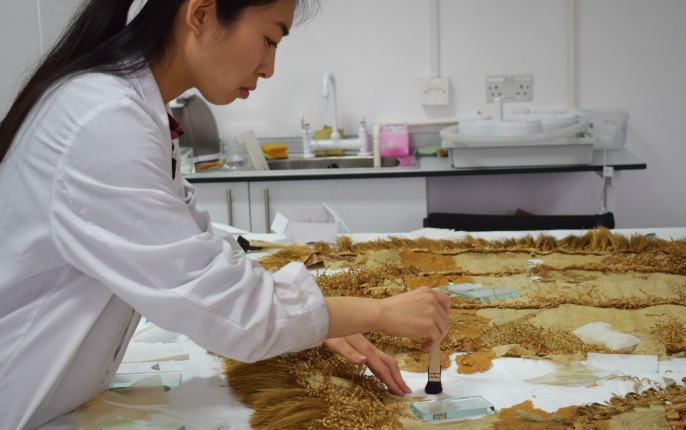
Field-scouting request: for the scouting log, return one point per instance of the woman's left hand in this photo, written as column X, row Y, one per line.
column 357, row 349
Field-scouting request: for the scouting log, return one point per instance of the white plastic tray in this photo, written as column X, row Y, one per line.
column 574, row 151
column 556, row 148
column 453, row 138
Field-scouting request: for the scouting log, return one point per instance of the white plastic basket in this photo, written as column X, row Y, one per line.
column 610, row 125
column 564, row 147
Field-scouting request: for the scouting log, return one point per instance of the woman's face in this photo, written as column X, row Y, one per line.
column 226, row 63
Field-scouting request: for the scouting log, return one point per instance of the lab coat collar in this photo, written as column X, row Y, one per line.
column 147, row 87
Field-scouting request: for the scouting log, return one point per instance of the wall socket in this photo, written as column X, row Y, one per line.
column 436, row 91
column 510, row 88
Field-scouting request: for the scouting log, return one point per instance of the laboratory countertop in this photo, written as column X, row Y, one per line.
column 619, row 159
column 202, row 399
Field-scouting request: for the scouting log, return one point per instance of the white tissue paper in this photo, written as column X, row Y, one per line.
column 601, row 333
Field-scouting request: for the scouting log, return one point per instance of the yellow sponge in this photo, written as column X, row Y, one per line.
column 274, row 151
column 329, row 152
column 325, row 133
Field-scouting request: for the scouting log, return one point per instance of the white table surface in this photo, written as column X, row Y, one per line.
column 203, row 401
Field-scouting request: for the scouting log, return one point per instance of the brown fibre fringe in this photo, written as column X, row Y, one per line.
column 597, row 300
column 635, row 251
column 670, row 402
column 313, row 390
column 538, row 340
column 673, row 393
column 672, row 398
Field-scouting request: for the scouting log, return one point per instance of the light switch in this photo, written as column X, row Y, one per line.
column 436, row 91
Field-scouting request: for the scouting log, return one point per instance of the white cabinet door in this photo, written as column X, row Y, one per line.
column 381, row 205
column 226, row 202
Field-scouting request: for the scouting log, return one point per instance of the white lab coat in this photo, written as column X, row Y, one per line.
column 94, row 232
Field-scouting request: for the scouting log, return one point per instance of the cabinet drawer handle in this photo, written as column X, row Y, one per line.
column 266, row 210
column 229, row 206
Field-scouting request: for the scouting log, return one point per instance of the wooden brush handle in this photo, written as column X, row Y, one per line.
column 265, row 244
column 433, row 385
column 435, row 363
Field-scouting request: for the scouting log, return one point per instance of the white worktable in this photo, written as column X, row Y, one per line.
column 203, row 401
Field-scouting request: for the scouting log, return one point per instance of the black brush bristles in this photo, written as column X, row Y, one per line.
column 433, row 387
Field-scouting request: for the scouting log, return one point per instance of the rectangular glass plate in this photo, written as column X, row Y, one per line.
column 455, row 289
column 490, row 294
column 128, row 424
column 125, row 380
column 452, row 409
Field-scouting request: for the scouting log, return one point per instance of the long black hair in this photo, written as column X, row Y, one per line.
column 99, row 40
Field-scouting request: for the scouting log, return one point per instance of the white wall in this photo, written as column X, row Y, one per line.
column 379, row 51
column 28, row 28
column 630, row 54
column 19, row 47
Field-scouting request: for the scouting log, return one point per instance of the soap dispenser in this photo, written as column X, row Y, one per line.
column 363, row 137
column 306, row 137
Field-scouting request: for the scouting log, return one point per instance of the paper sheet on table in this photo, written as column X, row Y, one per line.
column 597, row 367
column 625, row 363
column 508, row 381
column 229, row 228
column 139, row 351
column 149, row 332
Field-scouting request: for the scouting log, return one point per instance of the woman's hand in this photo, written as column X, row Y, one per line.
column 357, row 349
column 420, row 313
column 423, row 313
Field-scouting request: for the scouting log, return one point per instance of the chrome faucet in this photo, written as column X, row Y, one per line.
column 329, row 93
column 336, row 141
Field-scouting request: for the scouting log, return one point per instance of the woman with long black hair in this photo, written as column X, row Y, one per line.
column 97, row 226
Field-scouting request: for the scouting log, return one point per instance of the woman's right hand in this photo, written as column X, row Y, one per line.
column 420, row 313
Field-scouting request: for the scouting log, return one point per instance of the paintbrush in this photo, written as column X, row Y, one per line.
column 433, row 385
column 256, row 245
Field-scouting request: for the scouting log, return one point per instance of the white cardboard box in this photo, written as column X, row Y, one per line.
column 309, row 224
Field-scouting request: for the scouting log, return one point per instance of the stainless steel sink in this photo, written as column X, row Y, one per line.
column 296, row 161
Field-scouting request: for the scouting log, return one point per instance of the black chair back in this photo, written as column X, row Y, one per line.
column 477, row 222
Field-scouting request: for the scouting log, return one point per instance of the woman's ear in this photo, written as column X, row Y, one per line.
column 200, row 14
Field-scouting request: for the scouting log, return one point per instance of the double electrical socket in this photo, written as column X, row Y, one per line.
column 510, row 88
column 436, row 91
